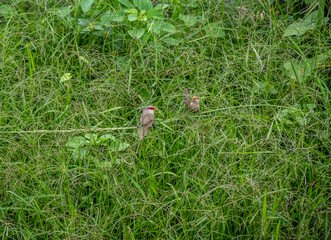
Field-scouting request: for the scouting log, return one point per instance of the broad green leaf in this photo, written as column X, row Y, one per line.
column 299, row 28
column 84, row 22
column 132, row 11
column 77, row 142
column 170, row 41
column 188, row 19
column 297, row 71
column 86, row 5
column 311, row 106
column 161, row 6
column 132, row 17
column 63, row 12
column 136, row 33
column 126, row 3
column 159, row 26
column 143, row 4
column 6, row 11
column 108, row 17
column 65, row 77
column 215, row 30
column 154, row 13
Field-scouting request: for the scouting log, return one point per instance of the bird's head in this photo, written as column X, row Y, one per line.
column 151, row 108
column 196, row 99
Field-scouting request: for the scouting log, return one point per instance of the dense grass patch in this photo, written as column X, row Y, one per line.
column 254, row 164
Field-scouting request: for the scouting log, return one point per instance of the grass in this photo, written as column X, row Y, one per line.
column 256, row 164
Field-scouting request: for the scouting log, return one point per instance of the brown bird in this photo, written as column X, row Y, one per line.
column 146, row 120
column 192, row 104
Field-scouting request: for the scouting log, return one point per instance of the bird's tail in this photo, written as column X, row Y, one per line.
column 186, row 97
column 143, row 132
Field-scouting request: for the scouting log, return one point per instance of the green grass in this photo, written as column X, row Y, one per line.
column 255, row 165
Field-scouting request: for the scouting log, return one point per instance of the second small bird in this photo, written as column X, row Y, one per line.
column 146, row 120
column 192, row 104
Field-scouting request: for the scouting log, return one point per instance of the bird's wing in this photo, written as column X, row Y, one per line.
column 146, row 119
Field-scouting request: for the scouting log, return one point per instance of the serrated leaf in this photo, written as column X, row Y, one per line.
column 86, row 5
column 65, row 77
column 171, row 41
column 143, row 4
column 108, row 17
column 132, row 17
column 77, row 142
column 6, row 11
column 126, row 3
column 215, row 30
column 188, row 19
column 136, row 33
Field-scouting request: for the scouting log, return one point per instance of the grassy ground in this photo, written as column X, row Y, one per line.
column 256, row 164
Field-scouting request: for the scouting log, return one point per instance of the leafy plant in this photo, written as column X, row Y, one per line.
column 300, row 27
column 6, row 11
column 79, row 145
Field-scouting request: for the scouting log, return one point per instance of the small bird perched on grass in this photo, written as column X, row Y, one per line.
column 146, row 120
column 192, row 104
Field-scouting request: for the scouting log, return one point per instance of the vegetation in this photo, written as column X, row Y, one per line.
column 254, row 164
